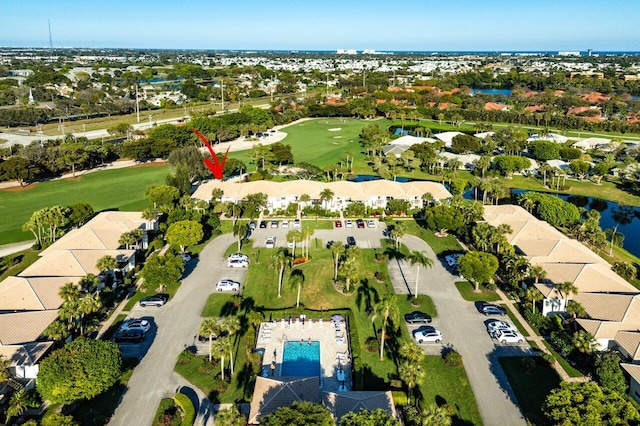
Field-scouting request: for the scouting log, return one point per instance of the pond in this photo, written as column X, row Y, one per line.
column 366, row 178
column 505, row 92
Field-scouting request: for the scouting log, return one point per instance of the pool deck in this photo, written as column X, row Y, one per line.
column 333, row 348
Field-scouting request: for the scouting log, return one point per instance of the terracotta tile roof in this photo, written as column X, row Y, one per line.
column 578, row 110
column 529, row 94
column 493, row 106
column 594, row 97
column 535, row 108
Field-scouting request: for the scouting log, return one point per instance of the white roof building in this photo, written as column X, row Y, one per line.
column 447, row 137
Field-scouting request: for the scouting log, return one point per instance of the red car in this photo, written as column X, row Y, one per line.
column 338, row 224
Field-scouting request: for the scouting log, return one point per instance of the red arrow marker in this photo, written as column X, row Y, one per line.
column 215, row 166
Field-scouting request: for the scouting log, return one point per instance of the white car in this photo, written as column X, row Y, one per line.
column 227, row 285
column 348, row 223
column 508, row 336
column 285, row 223
column 296, row 224
column 238, row 256
column 136, row 324
column 496, row 325
column 371, row 224
column 237, row 263
column 270, row 243
column 427, row 333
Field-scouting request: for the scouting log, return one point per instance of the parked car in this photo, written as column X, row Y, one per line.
column 351, row 241
column 360, row 223
column 263, row 224
column 348, row 223
column 238, row 263
column 285, row 223
column 296, row 223
column 371, row 224
column 252, row 225
column 204, row 338
column 136, row 324
column 508, row 336
column 417, row 318
column 426, row 333
column 274, row 223
column 227, row 285
column 133, row 336
column 338, row 223
column 238, row 256
column 270, row 243
column 490, row 309
column 495, row 325
column 155, row 300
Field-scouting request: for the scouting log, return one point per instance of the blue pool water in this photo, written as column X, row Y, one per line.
column 301, row 360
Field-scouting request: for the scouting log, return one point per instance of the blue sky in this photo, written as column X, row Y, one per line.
column 325, row 25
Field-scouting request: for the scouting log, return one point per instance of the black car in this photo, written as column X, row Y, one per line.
column 204, row 338
column 133, row 336
column 417, row 318
column 351, row 241
column 263, row 224
column 489, row 309
column 252, row 225
column 360, row 223
column 156, row 300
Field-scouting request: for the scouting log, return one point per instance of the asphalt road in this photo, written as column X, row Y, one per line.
column 174, row 326
column 463, row 328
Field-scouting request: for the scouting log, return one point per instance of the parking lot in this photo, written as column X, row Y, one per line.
column 365, row 237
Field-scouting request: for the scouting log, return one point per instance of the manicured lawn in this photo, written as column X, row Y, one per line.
column 531, row 386
column 13, row 264
column 469, row 294
column 121, row 189
column 437, row 244
column 450, row 385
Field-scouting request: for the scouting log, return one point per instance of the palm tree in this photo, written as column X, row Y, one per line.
column 418, row 258
column 106, row 263
column 69, row 291
column 386, row 309
column 295, row 237
column 434, row 415
column 239, row 231
column 537, row 272
column 306, row 236
column 279, row 260
column 326, row 195
column 583, row 342
column 411, row 373
column 296, row 279
column 427, row 199
column 211, row 328
column 57, row 331
column 397, row 232
column 231, row 325
column 337, row 249
column 88, row 282
column 576, row 310
column 349, row 270
column 409, row 351
column 88, row 305
column 229, row 417
column 18, row 404
column 221, row 348
column 533, row 294
column 566, row 289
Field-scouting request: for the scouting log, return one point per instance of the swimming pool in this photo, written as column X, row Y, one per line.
column 301, row 359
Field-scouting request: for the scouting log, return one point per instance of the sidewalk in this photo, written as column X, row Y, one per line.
column 534, row 337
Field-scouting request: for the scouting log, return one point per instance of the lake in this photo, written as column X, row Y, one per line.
column 505, row 92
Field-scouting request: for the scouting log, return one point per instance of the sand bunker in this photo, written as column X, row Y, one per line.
column 335, row 129
column 337, row 137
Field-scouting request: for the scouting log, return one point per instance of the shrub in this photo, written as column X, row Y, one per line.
column 186, row 356
column 219, row 385
column 453, row 358
column 549, row 359
column 188, row 410
column 371, row 344
column 300, row 260
column 537, row 320
column 399, row 398
column 561, row 342
column 207, row 367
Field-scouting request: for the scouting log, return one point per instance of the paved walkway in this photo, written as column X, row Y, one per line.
column 12, row 248
column 464, row 328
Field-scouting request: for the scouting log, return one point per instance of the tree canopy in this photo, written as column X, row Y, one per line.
column 478, row 267
column 299, row 414
column 551, row 208
column 185, row 233
column 79, row 370
column 161, row 271
column 377, row 417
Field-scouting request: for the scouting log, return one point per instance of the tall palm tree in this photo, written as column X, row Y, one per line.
column 106, row 263
column 576, row 310
column 349, row 270
column 239, row 231
column 418, row 258
column 89, row 304
column 337, row 249
column 279, row 260
column 231, row 325
column 306, row 236
column 537, row 272
column 409, row 351
column 385, row 309
column 566, row 289
column 326, row 195
column 294, row 236
column 398, row 231
column 434, row 415
column 69, row 291
column 221, row 348
column 411, row 373
column 57, row 331
column 533, row 294
column 210, row 327
column 296, row 279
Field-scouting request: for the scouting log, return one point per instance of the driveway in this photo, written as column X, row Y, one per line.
column 175, row 326
column 463, row 328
